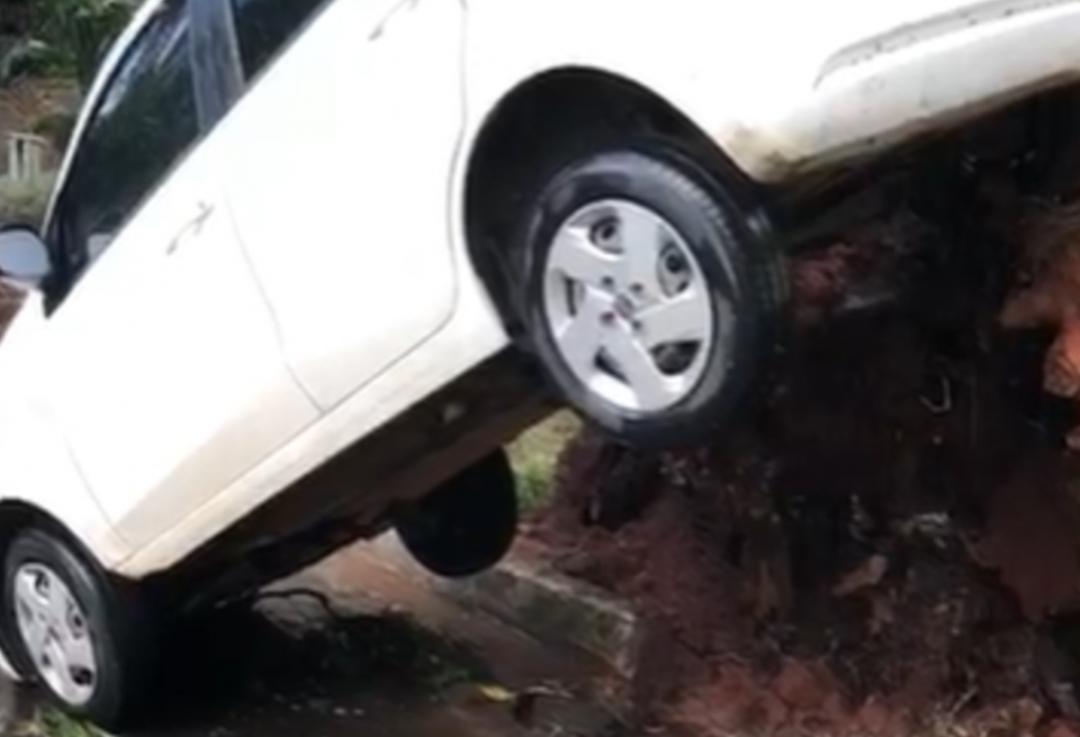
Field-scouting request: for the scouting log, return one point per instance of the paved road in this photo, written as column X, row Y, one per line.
column 371, row 653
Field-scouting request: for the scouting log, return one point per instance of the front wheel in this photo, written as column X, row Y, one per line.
column 74, row 631
column 647, row 301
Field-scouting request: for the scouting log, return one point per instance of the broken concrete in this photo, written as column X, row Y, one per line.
column 354, row 645
column 532, row 596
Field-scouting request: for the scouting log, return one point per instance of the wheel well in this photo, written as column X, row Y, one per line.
column 538, row 128
column 16, row 516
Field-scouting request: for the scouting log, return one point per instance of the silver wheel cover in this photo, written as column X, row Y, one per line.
column 629, row 308
column 55, row 632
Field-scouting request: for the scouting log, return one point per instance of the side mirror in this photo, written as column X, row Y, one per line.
column 24, row 258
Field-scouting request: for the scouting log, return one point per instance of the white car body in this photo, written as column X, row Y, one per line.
column 205, row 363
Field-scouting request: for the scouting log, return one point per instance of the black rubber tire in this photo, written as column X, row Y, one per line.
column 467, row 524
column 737, row 266
column 118, row 627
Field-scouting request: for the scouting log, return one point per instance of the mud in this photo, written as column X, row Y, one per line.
column 246, row 672
column 885, row 545
column 1047, row 296
column 353, row 646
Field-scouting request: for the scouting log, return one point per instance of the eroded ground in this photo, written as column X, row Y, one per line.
column 888, row 545
column 355, row 648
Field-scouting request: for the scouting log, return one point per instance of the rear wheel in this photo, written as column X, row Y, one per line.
column 467, row 524
column 73, row 631
column 647, row 299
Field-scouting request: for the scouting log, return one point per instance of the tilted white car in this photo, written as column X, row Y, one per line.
column 294, row 242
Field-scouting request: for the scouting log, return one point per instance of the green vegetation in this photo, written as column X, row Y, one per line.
column 56, row 128
column 64, row 38
column 24, row 201
column 50, row 722
column 535, row 456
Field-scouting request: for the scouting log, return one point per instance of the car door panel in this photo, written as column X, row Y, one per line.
column 340, row 162
column 166, row 371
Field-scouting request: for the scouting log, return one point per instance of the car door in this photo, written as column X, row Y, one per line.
column 164, row 368
column 341, row 155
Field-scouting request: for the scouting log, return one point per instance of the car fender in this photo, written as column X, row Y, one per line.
column 787, row 87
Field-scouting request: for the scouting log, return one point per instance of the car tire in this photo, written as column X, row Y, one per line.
column 647, row 298
column 83, row 638
column 468, row 524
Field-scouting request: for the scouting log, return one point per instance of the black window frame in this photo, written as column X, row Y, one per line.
column 250, row 80
column 219, row 73
column 216, row 83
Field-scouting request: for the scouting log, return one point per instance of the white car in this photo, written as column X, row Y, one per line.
column 294, row 243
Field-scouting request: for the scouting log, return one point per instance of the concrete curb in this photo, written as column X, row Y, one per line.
column 539, row 601
column 8, row 704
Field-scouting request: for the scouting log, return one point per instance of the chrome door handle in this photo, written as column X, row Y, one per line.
column 193, row 227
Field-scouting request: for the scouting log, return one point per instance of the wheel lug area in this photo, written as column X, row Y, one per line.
column 605, row 233
column 674, row 263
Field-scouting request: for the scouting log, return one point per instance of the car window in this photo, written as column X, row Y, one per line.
column 144, row 121
column 264, row 27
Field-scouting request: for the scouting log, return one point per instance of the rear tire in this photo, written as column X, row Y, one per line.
column 468, row 524
column 85, row 639
column 648, row 301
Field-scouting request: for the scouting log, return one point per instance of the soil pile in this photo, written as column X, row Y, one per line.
column 887, row 544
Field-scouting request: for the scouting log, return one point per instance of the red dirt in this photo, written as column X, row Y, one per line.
column 880, row 550
column 1030, row 536
column 1051, row 298
column 886, row 543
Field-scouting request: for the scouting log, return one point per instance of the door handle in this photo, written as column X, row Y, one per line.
column 399, row 7
column 192, row 228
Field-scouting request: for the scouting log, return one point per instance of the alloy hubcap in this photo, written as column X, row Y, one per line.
column 54, row 630
column 628, row 306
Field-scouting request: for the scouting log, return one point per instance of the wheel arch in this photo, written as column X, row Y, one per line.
column 560, row 113
column 16, row 516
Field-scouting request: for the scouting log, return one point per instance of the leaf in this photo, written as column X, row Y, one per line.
column 496, row 694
